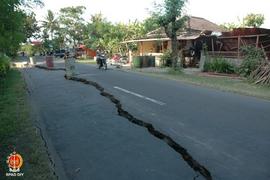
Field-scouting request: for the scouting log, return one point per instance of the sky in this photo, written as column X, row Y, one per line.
column 217, row 11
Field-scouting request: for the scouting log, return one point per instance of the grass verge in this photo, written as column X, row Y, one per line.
column 17, row 131
column 87, row 61
column 220, row 83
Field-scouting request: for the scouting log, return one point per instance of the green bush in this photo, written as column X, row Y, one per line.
column 252, row 59
column 4, row 64
column 219, row 65
column 166, row 58
column 84, row 58
column 29, row 49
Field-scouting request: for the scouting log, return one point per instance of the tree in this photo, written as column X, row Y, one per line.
column 59, row 40
column 13, row 27
column 31, row 3
column 101, row 33
column 250, row 20
column 72, row 24
column 50, row 23
column 229, row 26
column 31, row 25
column 12, row 19
column 96, row 30
column 169, row 16
column 253, row 20
column 134, row 30
column 46, row 42
column 50, row 28
column 150, row 24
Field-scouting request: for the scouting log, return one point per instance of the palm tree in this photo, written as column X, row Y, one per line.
column 50, row 23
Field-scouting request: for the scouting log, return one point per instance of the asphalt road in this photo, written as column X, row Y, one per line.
column 88, row 140
column 227, row 133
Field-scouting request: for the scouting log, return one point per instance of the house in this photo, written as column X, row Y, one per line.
column 36, row 43
column 82, row 50
column 197, row 31
column 229, row 44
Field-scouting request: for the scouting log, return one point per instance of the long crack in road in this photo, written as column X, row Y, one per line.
column 195, row 165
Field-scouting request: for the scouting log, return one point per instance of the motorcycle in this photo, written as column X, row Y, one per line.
column 102, row 60
column 118, row 60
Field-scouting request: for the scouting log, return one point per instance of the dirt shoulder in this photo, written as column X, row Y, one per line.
column 18, row 131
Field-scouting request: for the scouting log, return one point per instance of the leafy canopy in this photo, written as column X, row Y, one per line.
column 170, row 17
column 253, row 20
column 16, row 24
column 72, row 24
column 50, row 24
column 250, row 20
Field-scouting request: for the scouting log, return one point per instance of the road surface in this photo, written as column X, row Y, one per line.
column 229, row 134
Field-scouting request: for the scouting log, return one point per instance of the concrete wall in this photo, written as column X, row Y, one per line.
column 158, row 62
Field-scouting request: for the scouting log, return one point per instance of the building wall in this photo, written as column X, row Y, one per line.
column 89, row 52
column 146, row 47
column 152, row 47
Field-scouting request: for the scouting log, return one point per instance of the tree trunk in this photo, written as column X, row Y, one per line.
column 174, row 44
column 74, row 43
column 171, row 32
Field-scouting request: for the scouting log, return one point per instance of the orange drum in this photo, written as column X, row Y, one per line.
column 49, row 61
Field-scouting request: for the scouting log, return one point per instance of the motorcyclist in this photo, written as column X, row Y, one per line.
column 98, row 58
column 101, row 59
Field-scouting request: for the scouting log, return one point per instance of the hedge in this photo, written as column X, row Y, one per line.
column 4, row 64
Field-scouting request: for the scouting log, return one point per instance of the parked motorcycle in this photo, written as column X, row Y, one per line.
column 118, row 60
